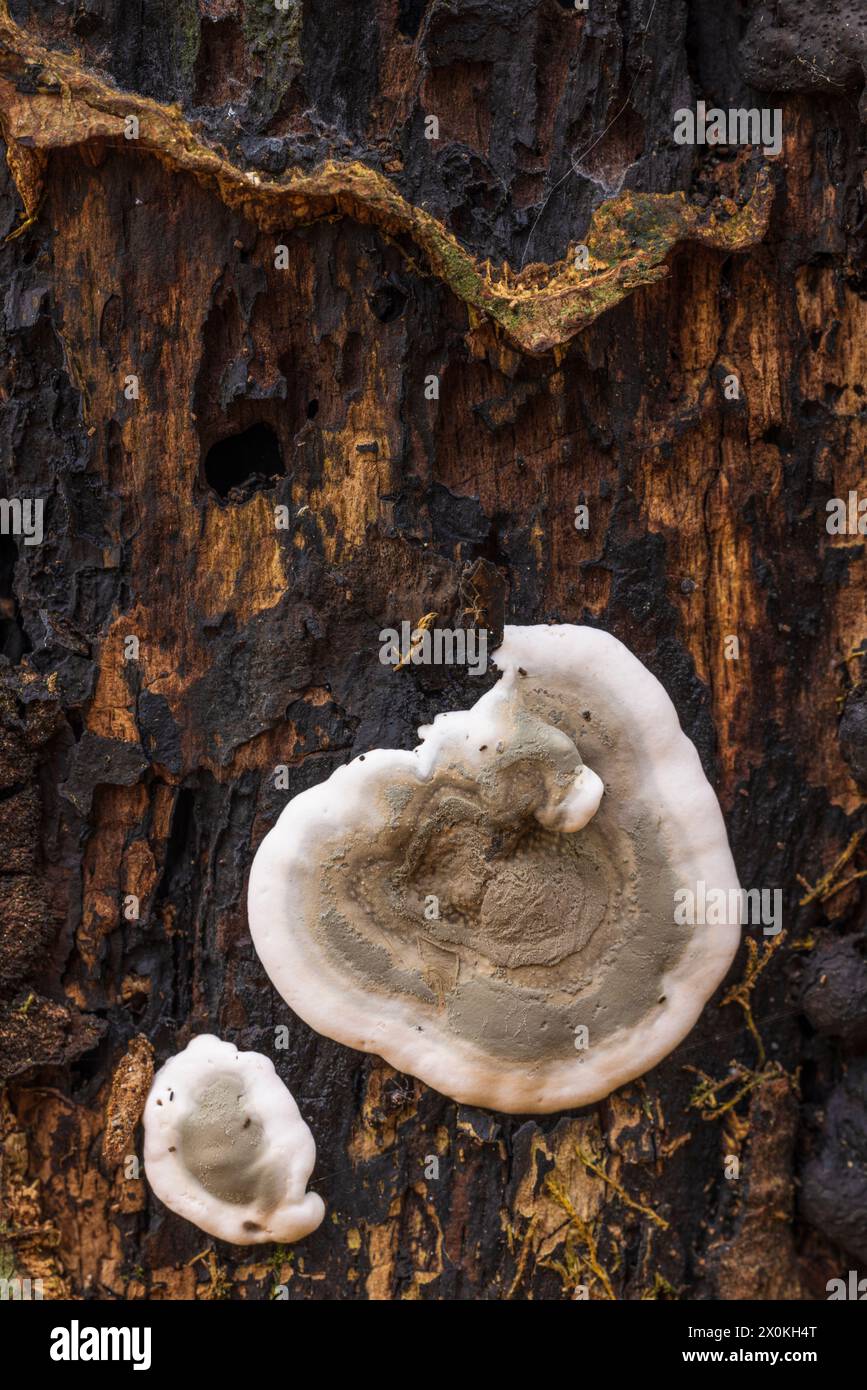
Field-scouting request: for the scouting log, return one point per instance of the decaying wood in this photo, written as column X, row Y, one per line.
column 540, row 308
column 130, row 1085
column 134, row 788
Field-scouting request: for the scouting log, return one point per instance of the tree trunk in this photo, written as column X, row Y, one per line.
column 429, row 380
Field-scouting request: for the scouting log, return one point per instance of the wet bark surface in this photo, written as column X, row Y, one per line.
column 145, row 769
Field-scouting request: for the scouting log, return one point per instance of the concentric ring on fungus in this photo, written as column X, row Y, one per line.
column 480, row 912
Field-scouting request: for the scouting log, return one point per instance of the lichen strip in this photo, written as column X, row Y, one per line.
column 48, row 101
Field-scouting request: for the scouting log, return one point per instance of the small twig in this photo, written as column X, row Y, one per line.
column 591, row 1258
column 522, row 1257
column 421, row 626
column 624, row 1196
column 705, row 1097
column 740, row 993
column 825, row 887
column 27, row 1232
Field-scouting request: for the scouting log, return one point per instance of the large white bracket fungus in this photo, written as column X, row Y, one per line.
column 226, row 1147
column 479, row 913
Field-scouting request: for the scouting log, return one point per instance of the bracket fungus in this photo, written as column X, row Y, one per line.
column 226, row 1147
column 480, row 912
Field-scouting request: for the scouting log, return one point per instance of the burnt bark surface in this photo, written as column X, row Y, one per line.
column 153, row 774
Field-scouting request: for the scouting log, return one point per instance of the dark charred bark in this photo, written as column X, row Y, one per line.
column 152, row 775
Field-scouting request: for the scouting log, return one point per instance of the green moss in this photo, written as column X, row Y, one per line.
column 265, row 25
column 8, row 1268
column 274, row 37
column 661, row 1289
column 188, row 38
column 458, row 269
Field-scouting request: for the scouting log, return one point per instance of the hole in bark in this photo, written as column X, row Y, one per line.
column 410, row 14
column 568, row 5
column 14, row 641
column 85, row 21
column 388, row 303
column 222, row 55
column 779, row 437
column 312, row 409
column 244, row 463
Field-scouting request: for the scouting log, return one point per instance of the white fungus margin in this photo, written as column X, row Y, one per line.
column 479, row 913
column 226, row 1147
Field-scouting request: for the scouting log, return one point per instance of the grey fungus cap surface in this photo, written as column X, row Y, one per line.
column 226, row 1147
column 492, row 913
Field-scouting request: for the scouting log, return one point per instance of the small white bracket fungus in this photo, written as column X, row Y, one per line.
column 556, row 902
column 226, row 1147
